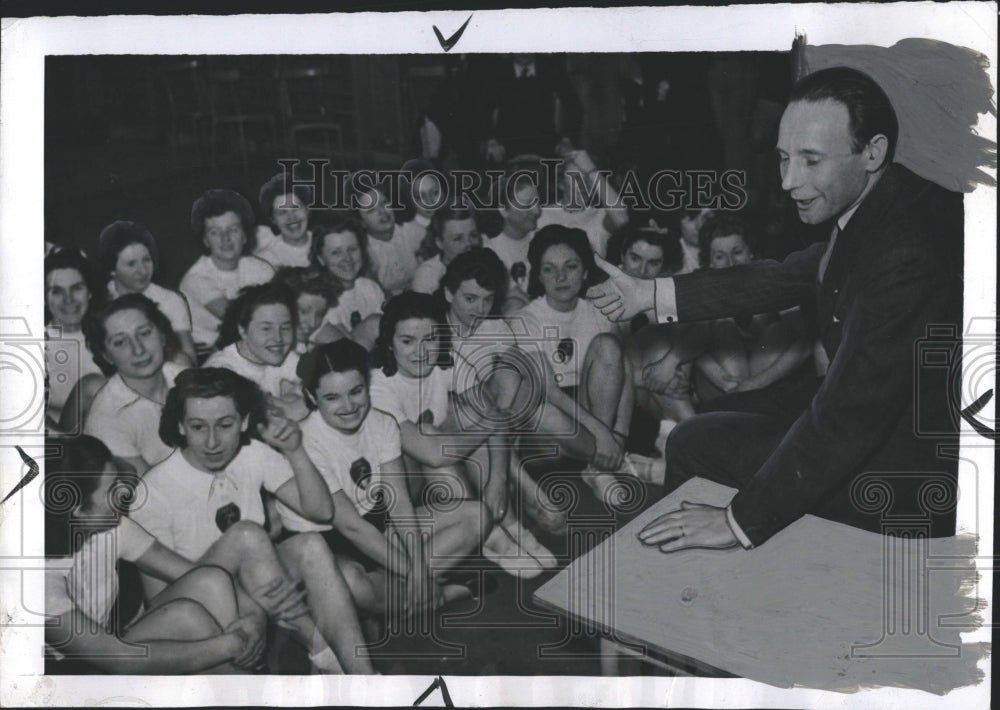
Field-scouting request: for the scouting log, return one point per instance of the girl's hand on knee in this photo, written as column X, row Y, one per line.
column 282, row 598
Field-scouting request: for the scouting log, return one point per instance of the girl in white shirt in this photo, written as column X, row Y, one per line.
column 132, row 342
column 357, row 451
column 452, row 231
column 257, row 340
column 392, row 247
column 444, row 454
column 193, row 626
column 71, row 374
column 339, row 247
column 128, row 255
column 284, row 239
column 580, row 360
column 315, row 292
column 223, row 222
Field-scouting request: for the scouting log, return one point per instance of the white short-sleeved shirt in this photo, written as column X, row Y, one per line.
column 563, row 337
column 88, row 580
column 343, row 460
column 511, row 251
column 268, row 377
column 204, row 283
column 172, row 304
column 395, row 262
column 187, row 509
column 363, row 300
column 428, row 275
column 589, row 219
column 67, row 359
column 127, row 422
column 408, row 398
column 277, row 252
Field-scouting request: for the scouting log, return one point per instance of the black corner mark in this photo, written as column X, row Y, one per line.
column 970, row 412
column 447, row 44
column 28, row 478
column 445, row 695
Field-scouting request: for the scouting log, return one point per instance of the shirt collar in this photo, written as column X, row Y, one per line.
column 123, row 396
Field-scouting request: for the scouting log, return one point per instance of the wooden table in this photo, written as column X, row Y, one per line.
column 820, row 605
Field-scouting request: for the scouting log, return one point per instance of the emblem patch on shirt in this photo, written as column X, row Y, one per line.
column 227, row 516
column 564, row 351
column 361, row 473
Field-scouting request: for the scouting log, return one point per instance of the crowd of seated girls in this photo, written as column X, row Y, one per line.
column 335, row 408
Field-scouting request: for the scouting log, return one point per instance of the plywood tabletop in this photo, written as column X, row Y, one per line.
column 820, row 605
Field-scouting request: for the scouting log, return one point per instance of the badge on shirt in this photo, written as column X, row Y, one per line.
column 361, row 473
column 227, row 516
column 564, row 351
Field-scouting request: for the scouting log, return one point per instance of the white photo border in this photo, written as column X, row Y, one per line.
column 25, row 44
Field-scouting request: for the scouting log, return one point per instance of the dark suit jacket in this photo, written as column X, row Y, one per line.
column 868, row 449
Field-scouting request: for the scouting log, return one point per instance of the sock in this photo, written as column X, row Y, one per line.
column 326, row 661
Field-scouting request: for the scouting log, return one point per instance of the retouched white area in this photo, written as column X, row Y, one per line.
column 25, row 42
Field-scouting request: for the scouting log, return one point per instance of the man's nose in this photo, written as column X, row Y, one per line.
column 213, row 437
column 790, row 176
column 137, row 347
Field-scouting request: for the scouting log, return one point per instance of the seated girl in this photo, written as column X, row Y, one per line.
column 211, row 486
column 257, row 339
column 451, row 232
column 132, row 342
column 223, row 223
column 578, row 355
column 128, row 256
column 748, row 352
column 392, row 247
column 357, row 452
column 482, row 349
column 439, row 452
column 315, row 292
column 284, row 239
column 339, row 247
column 196, row 624
column 72, row 375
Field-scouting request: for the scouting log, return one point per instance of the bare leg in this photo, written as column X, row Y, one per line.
column 306, row 556
column 210, row 586
column 179, row 620
column 247, row 552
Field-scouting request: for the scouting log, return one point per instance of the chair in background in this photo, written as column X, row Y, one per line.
column 311, row 109
column 237, row 101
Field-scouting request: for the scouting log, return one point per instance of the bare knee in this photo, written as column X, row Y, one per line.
column 307, row 554
column 208, row 582
column 180, row 620
column 606, row 349
column 247, row 535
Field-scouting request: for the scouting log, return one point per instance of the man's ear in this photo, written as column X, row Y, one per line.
column 448, row 295
column 876, row 152
column 245, row 424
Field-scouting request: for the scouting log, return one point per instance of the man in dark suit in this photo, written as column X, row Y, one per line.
column 868, row 443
